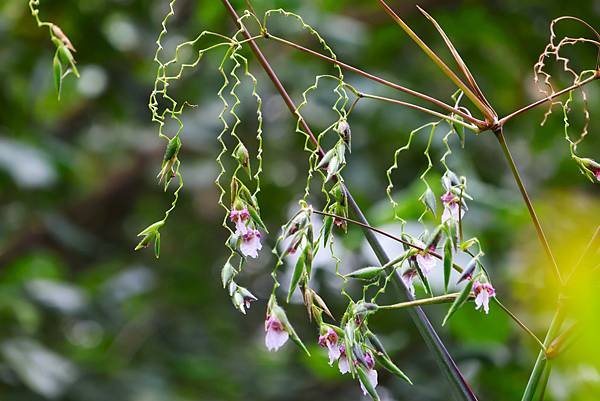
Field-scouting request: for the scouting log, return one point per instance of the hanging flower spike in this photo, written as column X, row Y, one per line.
column 276, row 334
column 452, row 209
column 483, row 293
column 240, row 218
column 329, row 340
column 343, row 364
column 371, row 373
column 424, row 259
column 407, row 278
column 250, row 244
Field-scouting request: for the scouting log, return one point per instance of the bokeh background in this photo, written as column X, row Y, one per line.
column 83, row 317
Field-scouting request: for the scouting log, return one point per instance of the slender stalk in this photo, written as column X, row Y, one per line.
column 390, row 236
column 442, row 356
column 432, row 100
column 541, row 361
column 520, row 324
column 485, row 109
column 423, row 109
column 522, row 110
column 536, row 222
column 441, row 299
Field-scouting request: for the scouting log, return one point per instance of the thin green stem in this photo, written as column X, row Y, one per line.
column 536, row 222
column 441, row 299
column 520, row 324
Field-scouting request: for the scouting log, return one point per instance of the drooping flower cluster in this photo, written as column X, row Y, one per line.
column 337, row 352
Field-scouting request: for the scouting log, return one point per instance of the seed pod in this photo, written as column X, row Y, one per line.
column 366, row 273
column 227, row 273
column 364, row 379
column 232, row 288
column 242, row 156
column 298, row 270
column 390, row 366
column 58, row 74
column 172, row 148
column 468, row 272
column 364, row 308
column 343, row 129
column 429, row 200
column 325, row 159
column 447, row 262
column 62, row 37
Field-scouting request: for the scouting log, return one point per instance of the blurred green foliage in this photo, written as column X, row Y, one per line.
column 85, row 318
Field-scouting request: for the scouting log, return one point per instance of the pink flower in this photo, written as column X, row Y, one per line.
column 250, row 243
column 452, row 209
column 276, row 334
column 483, row 293
column 371, row 373
column 407, row 278
column 329, row 340
column 596, row 173
column 239, row 218
column 343, row 364
column 424, row 259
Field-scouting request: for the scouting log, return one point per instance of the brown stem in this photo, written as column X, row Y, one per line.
column 466, row 116
column 522, row 110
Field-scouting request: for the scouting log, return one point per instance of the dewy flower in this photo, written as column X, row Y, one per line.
column 240, row 218
column 371, row 373
column 483, row 293
column 424, row 259
column 343, row 364
column 452, row 209
column 407, row 278
column 276, row 335
column 250, row 244
column 329, row 340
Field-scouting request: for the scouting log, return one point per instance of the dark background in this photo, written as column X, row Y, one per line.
column 83, row 317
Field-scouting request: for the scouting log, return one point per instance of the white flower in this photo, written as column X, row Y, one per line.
column 425, row 260
column 483, row 293
column 276, row 334
column 240, row 218
column 371, row 373
column 407, row 278
column 329, row 340
column 343, row 364
column 452, row 209
column 251, row 243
